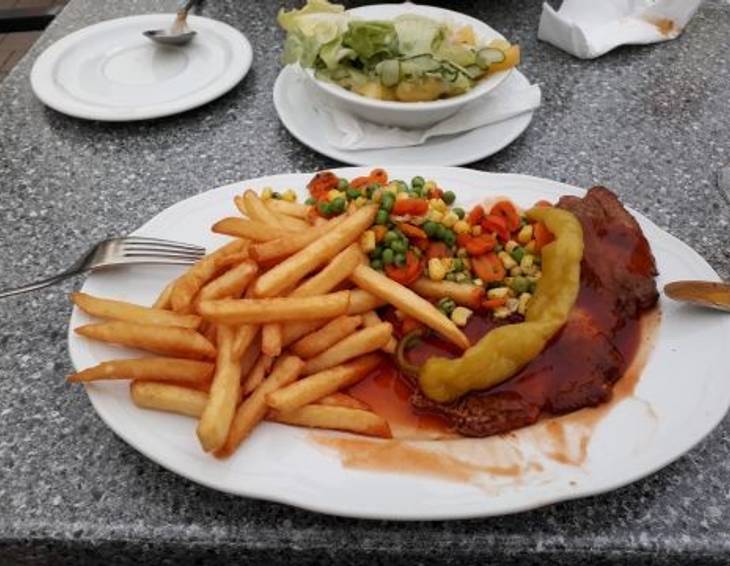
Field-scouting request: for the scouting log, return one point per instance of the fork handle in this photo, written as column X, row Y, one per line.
column 38, row 284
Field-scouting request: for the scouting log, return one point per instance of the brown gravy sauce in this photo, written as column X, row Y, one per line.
column 564, row 440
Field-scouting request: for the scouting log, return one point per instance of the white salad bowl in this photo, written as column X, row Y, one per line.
column 410, row 114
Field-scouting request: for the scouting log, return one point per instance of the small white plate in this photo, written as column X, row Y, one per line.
column 111, row 72
column 682, row 394
column 298, row 107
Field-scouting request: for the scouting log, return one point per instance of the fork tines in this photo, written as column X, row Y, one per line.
column 135, row 246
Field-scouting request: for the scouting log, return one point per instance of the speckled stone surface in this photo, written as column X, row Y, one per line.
column 652, row 122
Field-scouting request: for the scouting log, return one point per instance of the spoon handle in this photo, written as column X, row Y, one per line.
column 189, row 4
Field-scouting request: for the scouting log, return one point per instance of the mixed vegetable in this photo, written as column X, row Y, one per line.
column 411, row 58
column 486, row 260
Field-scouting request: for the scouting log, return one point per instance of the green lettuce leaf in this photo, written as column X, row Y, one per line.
column 417, row 34
column 372, row 38
column 317, row 24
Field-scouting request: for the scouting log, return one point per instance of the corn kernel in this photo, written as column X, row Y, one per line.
column 435, row 216
column 402, row 196
column 515, row 271
column 476, row 230
column 360, row 202
column 525, row 235
column 333, row 194
column 438, row 204
column 447, row 262
column 289, row 196
column 510, row 246
column 429, row 186
column 501, row 312
column 461, row 252
column 461, row 315
column 530, row 247
column 367, row 241
column 266, row 193
column 507, row 260
column 462, row 227
column 378, row 195
column 392, row 187
column 498, row 293
column 450, row 219
column 524, row 299
column 512, row 304
column 527, row 261
column 436, row 269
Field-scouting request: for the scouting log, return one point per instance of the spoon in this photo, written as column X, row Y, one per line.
column 709, row 294
column 179, row 33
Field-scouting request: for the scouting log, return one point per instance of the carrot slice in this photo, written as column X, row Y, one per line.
column 506, row 210
column 479, row 245
column 379, row 176
column 488, row 267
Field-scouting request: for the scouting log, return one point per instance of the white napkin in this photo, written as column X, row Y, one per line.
column 508, row 100
column 588, row 29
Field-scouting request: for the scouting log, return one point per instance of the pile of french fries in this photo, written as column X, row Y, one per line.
column 275, row 325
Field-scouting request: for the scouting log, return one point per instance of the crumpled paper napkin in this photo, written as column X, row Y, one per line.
column 589, row 28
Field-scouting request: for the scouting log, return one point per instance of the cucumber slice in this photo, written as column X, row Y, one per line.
column 418, row 66
column 488, row 56
column 389, row 71
column 474, row 71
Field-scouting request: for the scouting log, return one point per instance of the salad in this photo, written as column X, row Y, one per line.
column 486, row 260
column 411, row 58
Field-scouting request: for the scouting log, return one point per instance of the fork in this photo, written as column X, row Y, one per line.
column 132, row 250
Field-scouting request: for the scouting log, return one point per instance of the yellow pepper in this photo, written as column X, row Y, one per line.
column 507, row 349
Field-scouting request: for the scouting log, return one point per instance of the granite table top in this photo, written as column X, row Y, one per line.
column 651, row 122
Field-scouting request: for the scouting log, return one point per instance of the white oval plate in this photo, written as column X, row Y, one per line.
column 683, row 383
column 109, row 71
column 299, row 109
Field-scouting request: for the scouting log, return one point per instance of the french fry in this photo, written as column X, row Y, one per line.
column 168, row 398
column 152, row 369
column 254, row 408
column 361, row 342
column 257, row 374
column 240, row 204
column 331, row 333
column 408, row 302
column 271, row 337
column 363, row 301
column 295, row 209
column 314, row 387
column 306, row 260
column 291, row 243
column 371, row 318
column 462, row 293
column 245, row 336
column 293, row 331
column 120, row 310
column 166, row 340
column 334, row 273
column 223, row 397
column 231, row 284
column 278, row 309
column 249, row 229
column 249, row 358
column 187, row 285
column 209, row 330
column 335, row 418
column 163, row 299
column 289, row 222
column 343, row 400
column 256, row 210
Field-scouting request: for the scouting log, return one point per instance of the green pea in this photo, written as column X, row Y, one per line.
column 449, row 197
column 400, row 259
column 402, row 186
column 520, row 284
column 388, row 256
column 352, row 194
column 449, row 238
column 457, row 264
column 324, row 208
column 338, row 205
column 390, row 237
column 446, row 305
column 532, row 288
column 310, row 201
column 377, row 252
column 431, row 228
column 371, row 189
column 418, row 192
column 387, row 202
column 418, row 181
column 518, row 253
column 451, row 277
column 342, row 184
column 376, row 264
column 459, row 212
column 398, row 246
column 381, row 217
